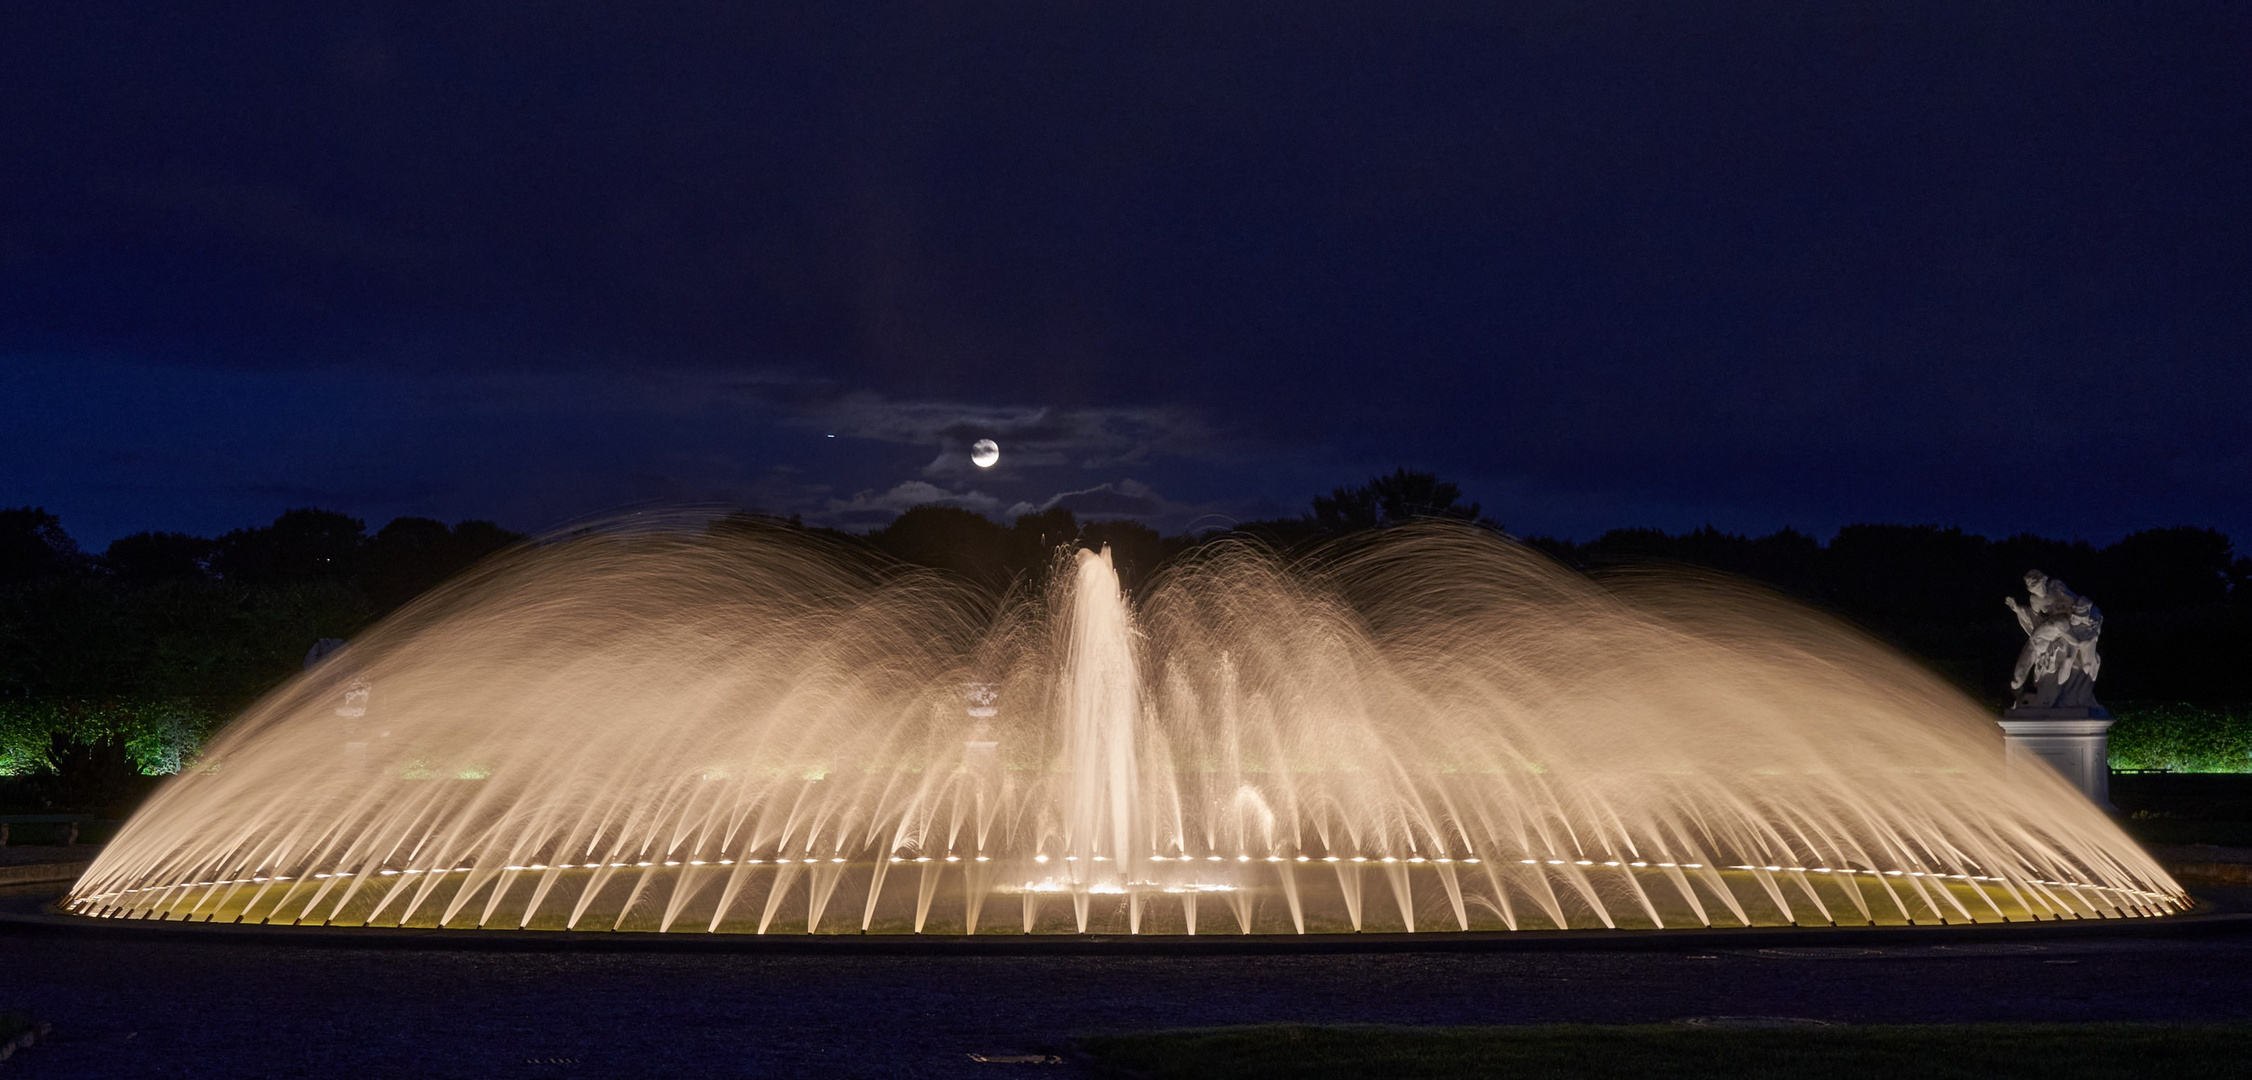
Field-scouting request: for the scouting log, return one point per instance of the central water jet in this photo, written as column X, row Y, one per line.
column 1101, row 709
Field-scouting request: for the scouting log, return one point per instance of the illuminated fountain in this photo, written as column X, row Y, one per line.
column 741, row 730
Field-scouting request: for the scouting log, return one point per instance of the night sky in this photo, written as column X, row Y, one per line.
column 1604, row 264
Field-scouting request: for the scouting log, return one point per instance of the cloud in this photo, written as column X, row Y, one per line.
column 1125, row 498
column 874, row 508
column 1087, row 438
column 1031, row 437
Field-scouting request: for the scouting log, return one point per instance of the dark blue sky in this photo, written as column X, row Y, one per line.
column 1752, row 264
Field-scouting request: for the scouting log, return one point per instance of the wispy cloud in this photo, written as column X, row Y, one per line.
column 1124, row 498
column 874, row 508
column 1088, row 438
column 1128, row 498
column 1031, row 436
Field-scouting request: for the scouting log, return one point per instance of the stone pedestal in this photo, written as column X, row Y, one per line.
column 2074, row 742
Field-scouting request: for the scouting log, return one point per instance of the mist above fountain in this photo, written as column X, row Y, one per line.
column 747, row 730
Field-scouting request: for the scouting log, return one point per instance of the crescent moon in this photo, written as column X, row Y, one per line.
column 984, row 452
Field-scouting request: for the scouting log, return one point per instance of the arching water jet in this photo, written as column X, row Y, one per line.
column 721, row 731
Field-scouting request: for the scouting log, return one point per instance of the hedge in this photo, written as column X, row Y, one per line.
column 2181, row 737
column 159, row 735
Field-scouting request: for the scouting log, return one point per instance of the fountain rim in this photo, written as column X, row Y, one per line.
column 2202, row 919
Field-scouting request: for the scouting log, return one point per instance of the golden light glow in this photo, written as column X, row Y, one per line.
column 617, row 709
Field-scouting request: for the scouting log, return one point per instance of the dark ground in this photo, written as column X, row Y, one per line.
column 1771, row 1050
column 125, row 1007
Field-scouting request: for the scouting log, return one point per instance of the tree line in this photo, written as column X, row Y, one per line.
column 121, row 661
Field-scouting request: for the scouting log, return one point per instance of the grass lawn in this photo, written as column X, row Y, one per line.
column 1928, row 1052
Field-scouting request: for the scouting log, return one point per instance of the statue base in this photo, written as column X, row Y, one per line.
column 2075, row 742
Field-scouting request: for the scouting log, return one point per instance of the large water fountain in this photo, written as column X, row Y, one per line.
column 743, row 730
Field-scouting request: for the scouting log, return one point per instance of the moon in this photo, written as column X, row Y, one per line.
column 984, row 452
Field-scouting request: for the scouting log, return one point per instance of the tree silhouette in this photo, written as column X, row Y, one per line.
column 144, row 559
column 1390, row 500
column 34, row 545
column 412, row 555
column 950, row 538
column 301, row 545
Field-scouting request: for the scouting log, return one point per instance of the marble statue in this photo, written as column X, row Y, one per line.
column 2058, row 666
column 356, row 692
column 355, row 699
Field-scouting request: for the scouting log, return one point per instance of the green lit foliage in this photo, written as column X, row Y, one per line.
column 2180, row 737
column 159, row 736
column 129, row 660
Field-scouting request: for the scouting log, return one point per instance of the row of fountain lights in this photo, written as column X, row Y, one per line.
column 1418, row 859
